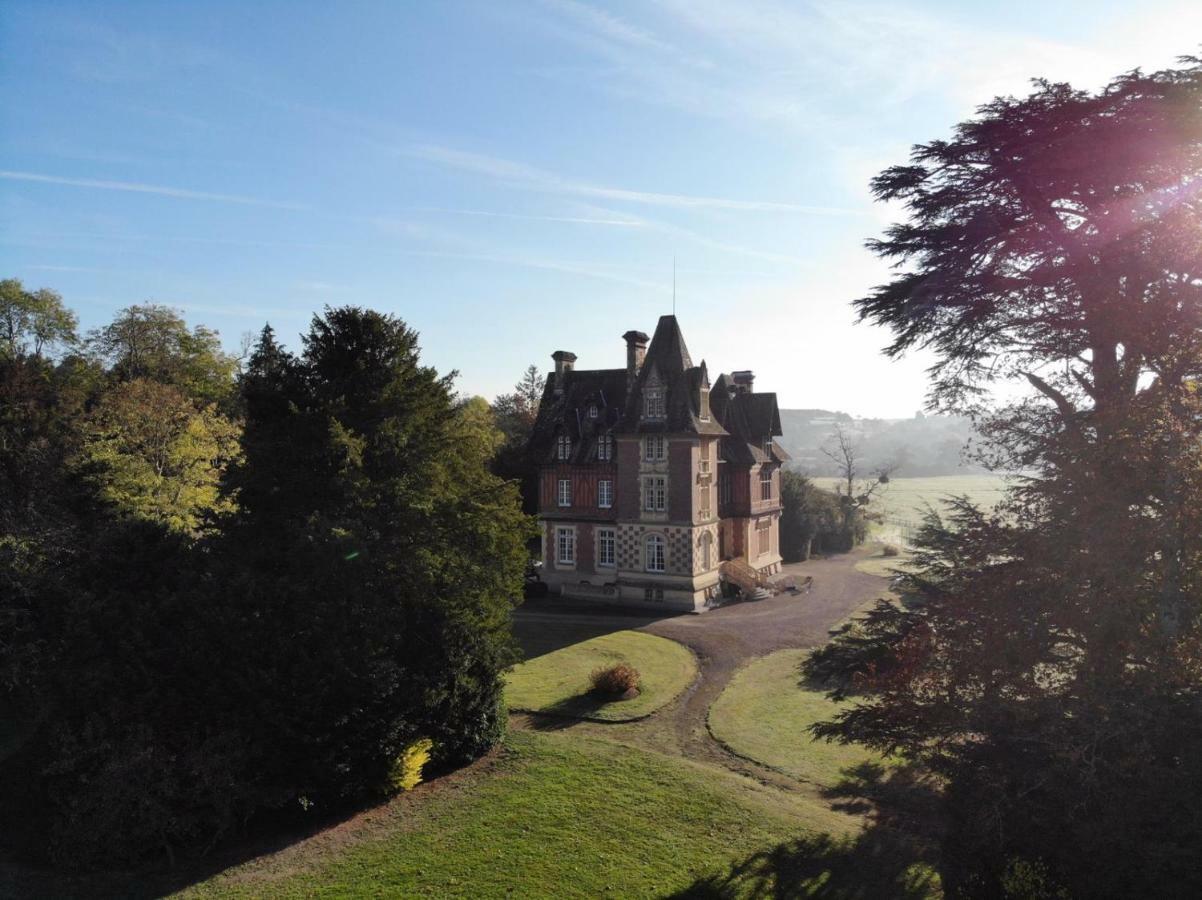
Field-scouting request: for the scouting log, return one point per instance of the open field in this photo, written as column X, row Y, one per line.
column 763, row 714
column 558, row 682
column 908, row 498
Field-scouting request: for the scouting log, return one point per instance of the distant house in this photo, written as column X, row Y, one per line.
column 651, row 476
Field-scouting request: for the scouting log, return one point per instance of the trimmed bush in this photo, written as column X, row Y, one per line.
column 620, row 680
column 890, row 550
column 406, row 771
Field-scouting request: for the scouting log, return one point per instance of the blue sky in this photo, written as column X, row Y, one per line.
column 513, row 178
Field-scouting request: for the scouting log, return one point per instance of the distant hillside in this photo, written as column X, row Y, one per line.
column 922, row 446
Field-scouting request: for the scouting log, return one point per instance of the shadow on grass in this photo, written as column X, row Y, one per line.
column 545, row 625
column 895, row 856
column 571, row 710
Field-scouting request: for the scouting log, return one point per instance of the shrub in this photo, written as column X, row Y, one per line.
column 406, row 771
column 890, row 550
column 616, row 680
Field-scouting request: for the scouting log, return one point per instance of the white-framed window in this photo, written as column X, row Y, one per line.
column 605, row 447
column 768, row 447
column 705, row 503
column 592, row 410
column 655, row 493
column 653, row 403
column 707, row 552
column 763, row 529
column 705, row 405
column 765, row 484
column 655, row 447
column 563, row 447
column 605, row 493
column 563, row 494
column 607, row 543
column 703, row 464
column 655, row 553
column 565, row 546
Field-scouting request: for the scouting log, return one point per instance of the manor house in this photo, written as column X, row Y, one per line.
column 651, row 477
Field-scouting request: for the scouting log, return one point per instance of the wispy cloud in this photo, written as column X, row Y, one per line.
column 139, row 188
column 529, row 177
column 617, row 220
column 550, row 265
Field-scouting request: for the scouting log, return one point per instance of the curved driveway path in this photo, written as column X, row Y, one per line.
column 724, row 639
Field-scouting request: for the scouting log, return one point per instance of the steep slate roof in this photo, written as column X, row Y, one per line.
column 751, row 420
column 566, row 411
column 668, row 361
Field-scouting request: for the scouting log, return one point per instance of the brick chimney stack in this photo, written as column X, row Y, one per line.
column 636, row 350
column 744, row 381
column 564, row 361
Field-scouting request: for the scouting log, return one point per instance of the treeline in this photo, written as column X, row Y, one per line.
column 232, row 588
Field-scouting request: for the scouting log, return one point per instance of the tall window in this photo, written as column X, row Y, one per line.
column 705, row 501
column 703, row 465
column 655, row 447
column 653, row 403
column 565, row 546
column 563, row 447
column 725, row 490
column 763, row 529
column 705, row 405
column 564, row 494
column 655, row 493
column 606, row 547
column 605, row 493
column 707, row 552
column 768, row 447
column 605, row 447
column 592, row 411
column 765, row 484
column 656, row 553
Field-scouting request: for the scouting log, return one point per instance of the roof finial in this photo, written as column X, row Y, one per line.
column 673, row 284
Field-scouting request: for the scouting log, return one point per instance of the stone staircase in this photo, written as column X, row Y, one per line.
column 751, row 583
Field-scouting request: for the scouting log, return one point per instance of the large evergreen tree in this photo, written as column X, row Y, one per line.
column 1047, row 659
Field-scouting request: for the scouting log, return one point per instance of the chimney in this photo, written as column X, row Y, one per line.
column 744, row 381
column 636, row 350
column 564, row 360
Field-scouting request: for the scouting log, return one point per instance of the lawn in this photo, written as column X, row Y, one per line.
column 558, row 682
column 557, row 816
column 907, row 498
column 763, row 715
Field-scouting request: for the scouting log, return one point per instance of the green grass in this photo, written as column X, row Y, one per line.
column 907, row 498
column 558, row 816
column 763, row 715
column 558, row 682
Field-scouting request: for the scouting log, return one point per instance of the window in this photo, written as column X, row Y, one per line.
column 653, row 594
column 703, row 466
column 565, row 546
column 707, row 546
column 653, row 403
column 564, row 495
column 655, row 447
column 563, row 447
column 705, row 503
column 592, row 411
column 606, row 547
column 605, row 447
column 705, row 405
column 655, row 493
column 768, row 447
column 765, row 484
column 725, row 491
column 763, row 530
column 655, row 553
column 605, row 493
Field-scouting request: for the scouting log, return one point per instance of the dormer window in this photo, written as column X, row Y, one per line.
column 563, row 447
column 705, row 405
column 653, row 403
column 768, row 448
column 592, row 411
column 605, row 447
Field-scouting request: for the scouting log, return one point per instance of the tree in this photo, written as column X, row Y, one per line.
column 33, row 322
column 855, row 494
column 1046, row 660
column 515, row 415
column 154, row 455
column 809, row 516
column 153, row 341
